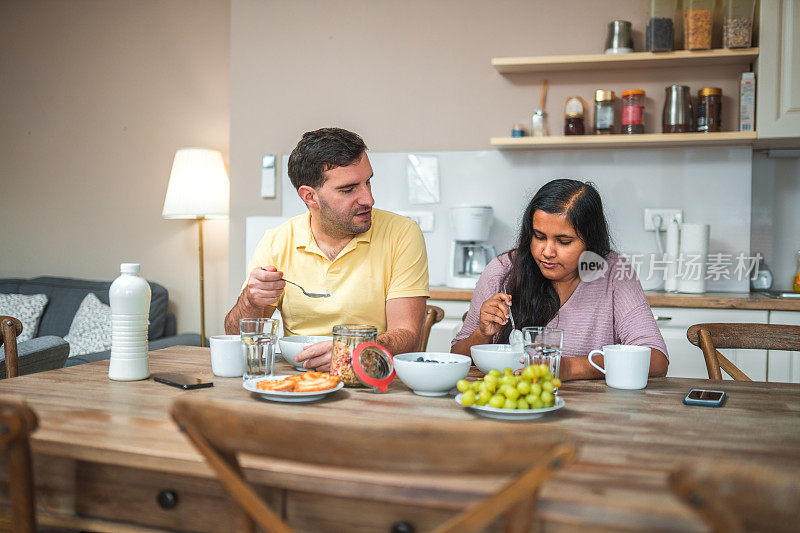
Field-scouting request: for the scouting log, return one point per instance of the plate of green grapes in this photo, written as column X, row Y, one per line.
column 506, row 396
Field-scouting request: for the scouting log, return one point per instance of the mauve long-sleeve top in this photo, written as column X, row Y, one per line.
column 608, row 310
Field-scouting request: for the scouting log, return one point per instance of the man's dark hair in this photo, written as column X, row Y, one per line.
column 323, row 150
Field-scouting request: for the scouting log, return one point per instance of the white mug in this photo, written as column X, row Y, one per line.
column 226, row 356
column 626, row 366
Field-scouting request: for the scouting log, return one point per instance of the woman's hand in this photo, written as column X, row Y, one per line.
column 494, row 314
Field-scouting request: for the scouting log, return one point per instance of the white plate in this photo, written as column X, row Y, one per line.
column 291, row 397
column 513, row 414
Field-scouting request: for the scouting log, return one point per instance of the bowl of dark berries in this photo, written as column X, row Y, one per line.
column 431, row 373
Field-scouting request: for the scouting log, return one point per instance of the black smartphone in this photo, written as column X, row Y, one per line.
column 182, row 381
column 705, row 398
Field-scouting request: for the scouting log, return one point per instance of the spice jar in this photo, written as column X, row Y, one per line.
column 603, row 112
column 737, row 29
column 698, row 20
column 709, row 109
column 633, row 111
column 660, row 27
column 573, row 116
column 357, row 360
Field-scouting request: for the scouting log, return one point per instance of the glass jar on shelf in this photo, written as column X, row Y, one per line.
column 698, row 23
column 709, row 109
column 659, row 34
column 633, row 111
column 573, row 116
column 604, row 112
column 737, row 25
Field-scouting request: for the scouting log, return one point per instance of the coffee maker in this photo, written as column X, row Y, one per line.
column 470, row 251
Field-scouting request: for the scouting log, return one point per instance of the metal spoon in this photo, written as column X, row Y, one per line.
column 515, row 337
column 325, row 294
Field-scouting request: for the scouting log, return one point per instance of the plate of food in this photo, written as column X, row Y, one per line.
column 307, row 387
column 512, row 414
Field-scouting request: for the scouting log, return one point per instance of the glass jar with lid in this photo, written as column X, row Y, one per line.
column 659, row 34
column 633, row 111
column 737, row 27
column 698, row 22
column 709, row 109
column 357, row 360
column 604, row 112
column 573, row 116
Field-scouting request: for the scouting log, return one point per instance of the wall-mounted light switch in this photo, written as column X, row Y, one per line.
column 268, row 176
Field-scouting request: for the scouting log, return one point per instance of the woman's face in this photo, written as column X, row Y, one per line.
column 555, row 246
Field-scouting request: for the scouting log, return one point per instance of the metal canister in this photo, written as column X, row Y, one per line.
column 677, row 117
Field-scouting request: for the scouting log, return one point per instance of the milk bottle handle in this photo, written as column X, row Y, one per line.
column 598, row 367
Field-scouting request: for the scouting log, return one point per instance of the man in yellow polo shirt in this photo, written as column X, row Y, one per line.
column 372, row 262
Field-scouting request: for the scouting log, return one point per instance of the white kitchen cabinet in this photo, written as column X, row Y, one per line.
column 443, row 332
column 778, row 73
column 686, row 360
column 784, row 366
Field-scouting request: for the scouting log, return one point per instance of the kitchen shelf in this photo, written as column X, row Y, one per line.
column 678, row 58
column 644, row 140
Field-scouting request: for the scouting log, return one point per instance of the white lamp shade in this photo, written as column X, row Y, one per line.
column 198, row 185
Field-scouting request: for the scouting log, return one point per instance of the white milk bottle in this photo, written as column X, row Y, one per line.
column 129, row 296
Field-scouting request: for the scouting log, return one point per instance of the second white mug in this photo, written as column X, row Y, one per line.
column 626, row 366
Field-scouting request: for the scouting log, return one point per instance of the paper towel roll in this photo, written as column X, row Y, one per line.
column 693, row 254
column 671, row 257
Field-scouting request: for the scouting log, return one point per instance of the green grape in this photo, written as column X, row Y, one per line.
column 537, row 404
column 508, row 372
column 490, row 378
column 528, row 373
column 522, row 404
column 468, row 398
column 530, row 398
column 494, row 372
column 488, row 387
column 510, row 404
column 547, row 399
column 483, row 398
column 524, row 387
column 544, row 369
column 547, row 386
column 536, row 389
column 508, row 380
column 502, row 389
column 497, row 401
column 512, row 393
column 536, row 371
column 463, row 385
column 475, row 385
column 556, row 383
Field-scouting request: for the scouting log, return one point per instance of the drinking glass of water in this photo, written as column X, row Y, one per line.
column 259, row 337
column 543, row 346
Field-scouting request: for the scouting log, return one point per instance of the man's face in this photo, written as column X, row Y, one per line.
column 345, row 199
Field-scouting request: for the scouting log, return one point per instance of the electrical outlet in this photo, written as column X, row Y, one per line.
column 666, row 217
column 424, row 219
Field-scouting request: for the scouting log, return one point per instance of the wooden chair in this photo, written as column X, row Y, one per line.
column 733, row 497
column 709, row 337
column 10, row 328
column 433, row 315
column 17, row 422
column 221, row 430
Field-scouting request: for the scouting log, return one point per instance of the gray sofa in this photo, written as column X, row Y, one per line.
column 49, row 350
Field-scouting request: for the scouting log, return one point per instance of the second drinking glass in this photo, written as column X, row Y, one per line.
column 543, row 346
column 259, row 337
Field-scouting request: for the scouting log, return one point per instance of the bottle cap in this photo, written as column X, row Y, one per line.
column 129, row 268
column 633, row 92
column 710, row 91
column 574, row 107
column 601, row 95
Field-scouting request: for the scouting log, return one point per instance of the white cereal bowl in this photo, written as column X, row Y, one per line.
column 499, row 356
column 293, row 345
column 431, row 379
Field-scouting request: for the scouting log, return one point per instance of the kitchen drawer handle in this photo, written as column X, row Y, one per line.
column 662, row 318
column 402, row 527
column 167, row 499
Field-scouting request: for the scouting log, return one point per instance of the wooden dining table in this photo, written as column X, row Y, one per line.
column 108, row 457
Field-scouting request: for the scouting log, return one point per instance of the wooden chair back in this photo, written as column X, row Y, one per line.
column 221, row 430
column 17, row 422
column 710, row 337
column 433, row 315
column 10, row 328
column 734, row 498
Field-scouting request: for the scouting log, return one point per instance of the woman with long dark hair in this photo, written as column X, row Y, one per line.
column 539, row 281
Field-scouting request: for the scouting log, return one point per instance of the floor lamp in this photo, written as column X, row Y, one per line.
column 198, row 189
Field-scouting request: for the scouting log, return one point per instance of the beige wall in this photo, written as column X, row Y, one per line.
column 413, row 75
column 96, row 96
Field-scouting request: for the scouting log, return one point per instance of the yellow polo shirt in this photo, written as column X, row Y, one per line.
column 387, row 261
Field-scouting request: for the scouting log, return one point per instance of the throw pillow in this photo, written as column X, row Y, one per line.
column 90, row 331
column 27, row 308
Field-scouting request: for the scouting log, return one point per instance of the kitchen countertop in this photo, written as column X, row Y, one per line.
column 709, row 300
